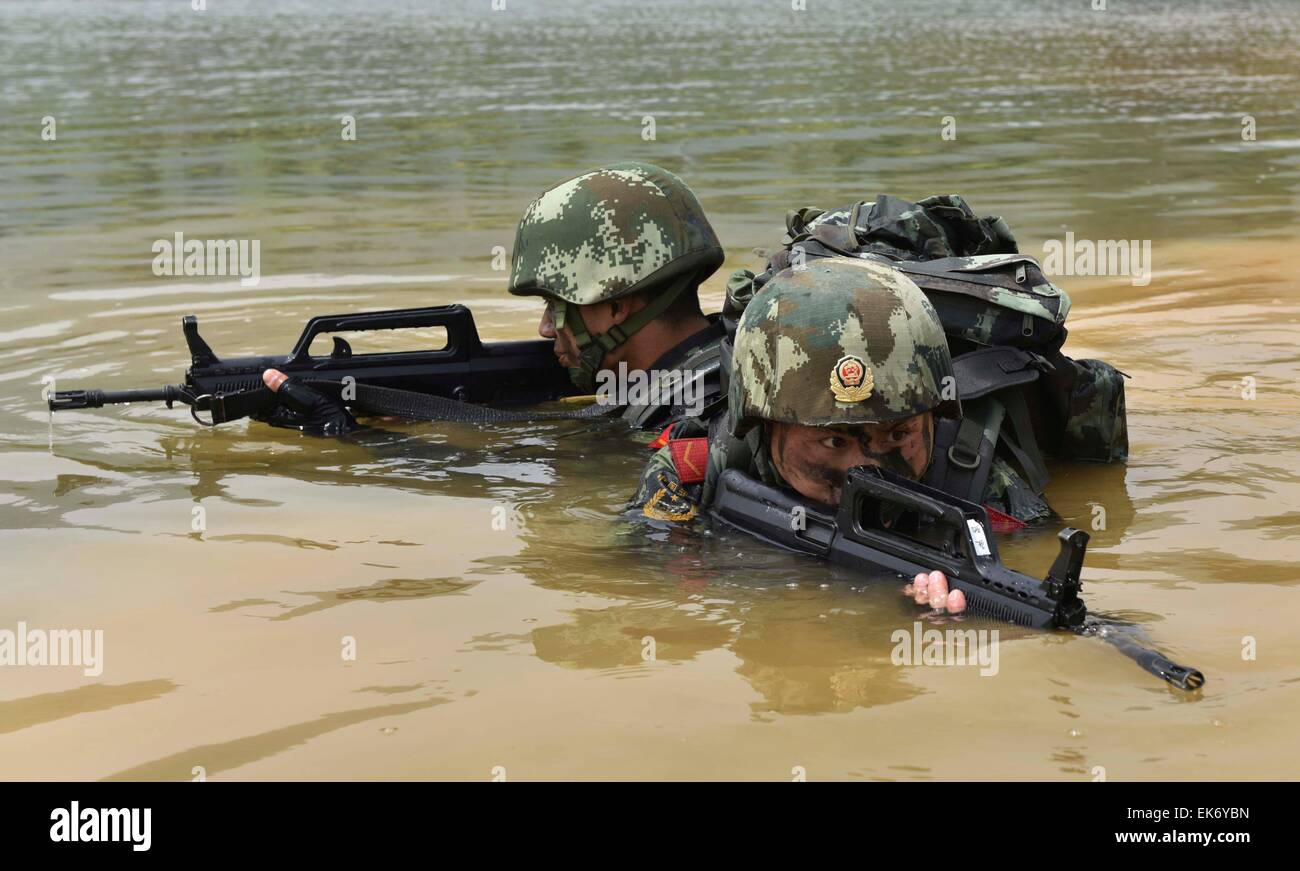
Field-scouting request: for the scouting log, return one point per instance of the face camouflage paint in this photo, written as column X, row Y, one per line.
column 814, row 460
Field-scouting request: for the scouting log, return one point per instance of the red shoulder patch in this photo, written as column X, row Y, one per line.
column 691, row 458
column 1001, row 522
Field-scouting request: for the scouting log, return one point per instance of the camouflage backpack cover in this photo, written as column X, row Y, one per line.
column 986, row 292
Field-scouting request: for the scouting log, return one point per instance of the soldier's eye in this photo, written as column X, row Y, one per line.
column 834, row 443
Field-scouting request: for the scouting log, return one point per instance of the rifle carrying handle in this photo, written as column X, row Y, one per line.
column 886, row 491
column 963, row 521
column 462, row 334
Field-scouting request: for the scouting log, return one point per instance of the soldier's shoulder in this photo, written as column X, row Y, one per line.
column 670, row 484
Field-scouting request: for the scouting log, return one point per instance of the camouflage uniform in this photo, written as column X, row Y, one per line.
column 614, row 231
column 844, row 342
column 661, row 493
column 1008, row 493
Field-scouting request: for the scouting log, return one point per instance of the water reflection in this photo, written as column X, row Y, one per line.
column 24, row 713
column 1126, row 125
column 216, row 758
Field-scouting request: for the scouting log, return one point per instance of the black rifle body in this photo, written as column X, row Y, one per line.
column 465, row 368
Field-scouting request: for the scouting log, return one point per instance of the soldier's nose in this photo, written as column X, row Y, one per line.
column 546, row 328
column 858, row 457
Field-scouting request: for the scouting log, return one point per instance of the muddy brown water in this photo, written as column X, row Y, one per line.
column 521, row 648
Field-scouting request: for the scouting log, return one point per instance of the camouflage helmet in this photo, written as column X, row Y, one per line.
column 839, row 341
column 611, row 232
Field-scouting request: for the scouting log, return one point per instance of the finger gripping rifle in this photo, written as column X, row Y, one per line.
column 465, row 369
column 886, row 522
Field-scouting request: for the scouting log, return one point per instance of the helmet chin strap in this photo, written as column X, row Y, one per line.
column 592, row 348
column 929, row 443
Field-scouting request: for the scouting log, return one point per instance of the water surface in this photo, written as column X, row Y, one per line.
column 522, row 647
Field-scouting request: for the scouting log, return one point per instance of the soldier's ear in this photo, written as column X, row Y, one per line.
column 624, row 307
column 618, row 311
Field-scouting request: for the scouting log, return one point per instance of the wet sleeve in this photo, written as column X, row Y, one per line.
column 1007, row 492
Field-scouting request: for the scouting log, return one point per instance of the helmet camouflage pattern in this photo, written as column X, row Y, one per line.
column 612, row 232
column 839, row 341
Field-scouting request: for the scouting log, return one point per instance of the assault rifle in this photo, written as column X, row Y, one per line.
column 465, row 369
column 886, row 522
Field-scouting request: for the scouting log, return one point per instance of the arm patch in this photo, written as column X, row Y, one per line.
column 671, row 501
column 690, row 458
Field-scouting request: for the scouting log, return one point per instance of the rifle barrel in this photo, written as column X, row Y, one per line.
column 70, row 399
column 1122, row 637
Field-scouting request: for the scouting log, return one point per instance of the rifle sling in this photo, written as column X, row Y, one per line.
column 389, row 401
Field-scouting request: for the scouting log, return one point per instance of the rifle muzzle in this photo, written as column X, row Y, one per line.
column 69, row 399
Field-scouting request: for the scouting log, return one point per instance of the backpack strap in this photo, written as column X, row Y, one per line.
column 1004, row 371
column 1021, row 442
column 990, row 383
column 964, row 450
